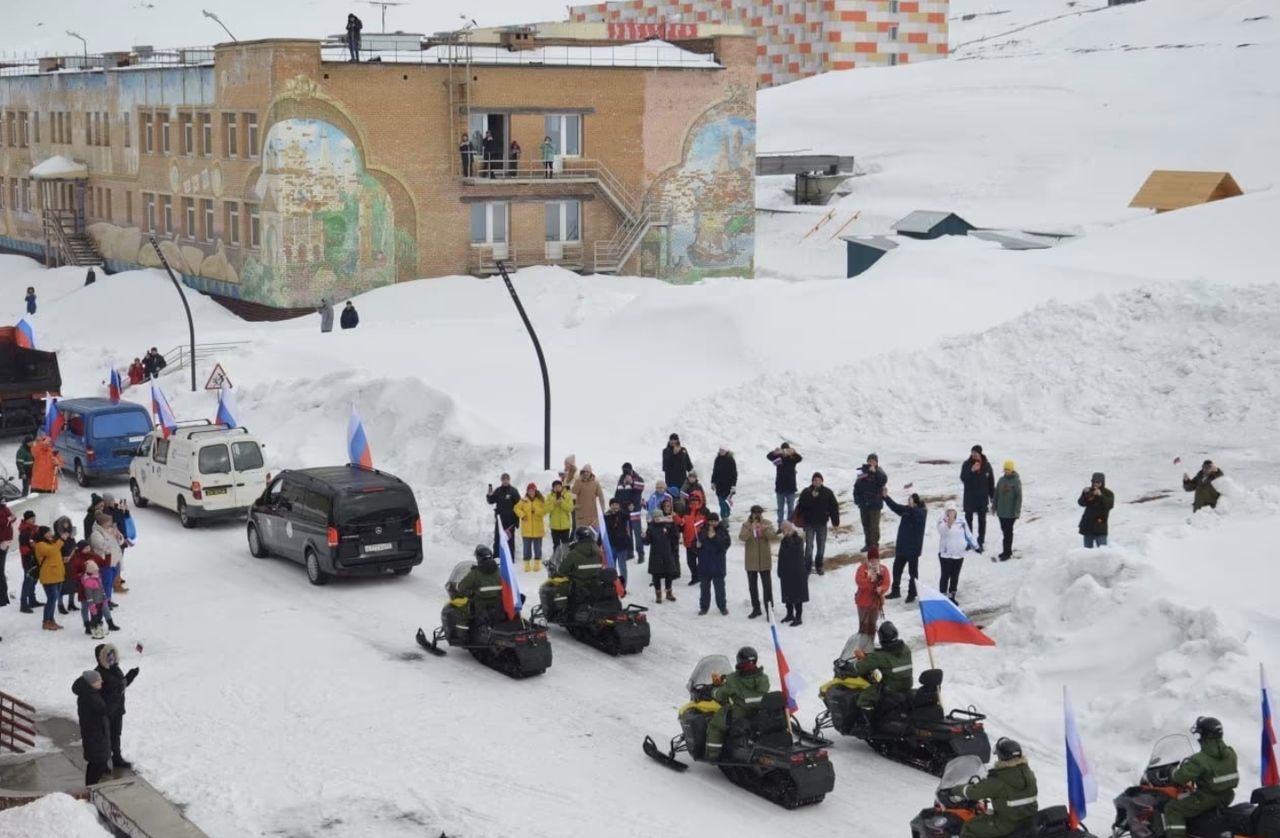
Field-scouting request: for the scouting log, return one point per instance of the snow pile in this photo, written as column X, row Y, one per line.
column 53, row 814
column 59, row 167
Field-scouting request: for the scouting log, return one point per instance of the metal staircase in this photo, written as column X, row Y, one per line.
column 66, row 240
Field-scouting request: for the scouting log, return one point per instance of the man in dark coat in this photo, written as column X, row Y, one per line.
column 712, row 544
column 95, row 731
column 1097, row 501
column 115, row 683
column 90, row 277
column 354, row 27
column 504, row 500
column 785, row 459
column 350, row 317
column 868, row 496
column 979, row 481
column 676, row 464
column 1202, row 485
column 817, row 508
column 630, row 491
column 793, row 575
column 910, row 544
column 724, row 480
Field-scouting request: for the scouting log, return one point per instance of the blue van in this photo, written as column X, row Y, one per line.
column 100, row 437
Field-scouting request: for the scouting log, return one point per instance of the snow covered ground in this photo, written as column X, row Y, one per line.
column 270, row 707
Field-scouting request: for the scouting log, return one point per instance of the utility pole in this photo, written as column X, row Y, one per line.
column 542, row 362
column 191, row 324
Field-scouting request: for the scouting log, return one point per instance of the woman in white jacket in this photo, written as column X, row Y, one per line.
column 954, row 540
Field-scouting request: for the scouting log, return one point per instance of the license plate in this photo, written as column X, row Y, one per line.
column 378, row 548
column 136, row 438
column 221, row 490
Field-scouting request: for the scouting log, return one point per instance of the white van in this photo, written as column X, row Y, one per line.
column 200, row 471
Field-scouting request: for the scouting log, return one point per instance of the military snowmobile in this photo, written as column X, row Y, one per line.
column 1139, row 808
column 908, row 729
column 947, row 818
column 518, row 648
column 597, row 617
column 766, row 754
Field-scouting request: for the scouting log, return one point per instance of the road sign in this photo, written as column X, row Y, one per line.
column 217, row 379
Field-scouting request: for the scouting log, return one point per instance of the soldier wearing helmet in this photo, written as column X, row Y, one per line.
column 483, row 585
column 583, row 564
column 1011, row 788
column 739, row 695
column 1212, row 772
column 892, row 660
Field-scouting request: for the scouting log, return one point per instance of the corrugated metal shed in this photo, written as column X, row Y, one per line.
column 930, row 224
column 864, row 251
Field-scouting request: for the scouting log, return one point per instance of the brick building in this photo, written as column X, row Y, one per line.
column 277, row 172
column 801, row 38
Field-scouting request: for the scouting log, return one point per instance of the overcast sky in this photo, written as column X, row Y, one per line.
column 40, row 26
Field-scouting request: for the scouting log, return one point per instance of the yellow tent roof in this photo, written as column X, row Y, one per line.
column 1169, row 190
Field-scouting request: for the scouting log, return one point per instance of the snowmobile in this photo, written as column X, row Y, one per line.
column 601, row 620
column 766, row 754
column 1139, row 808
column 947, row 818
column 908, row 729
column 518, row 648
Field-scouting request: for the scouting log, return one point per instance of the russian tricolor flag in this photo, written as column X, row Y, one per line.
column 945, row 623
column 358, row 451
column 114, row 386
column 1270, row 771
column 510, row 582
column 606, row 557
column 1082, row 787
column 53, row 420
column 164, row 414
column 25, row 336
column 226, row 414
column 791, row 682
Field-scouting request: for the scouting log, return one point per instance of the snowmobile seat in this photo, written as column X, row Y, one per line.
column 1052, row 820
column 1266, row 796
column 771, row 716
column 931, row 678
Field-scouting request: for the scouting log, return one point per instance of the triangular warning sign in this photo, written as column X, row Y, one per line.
column 217, row 379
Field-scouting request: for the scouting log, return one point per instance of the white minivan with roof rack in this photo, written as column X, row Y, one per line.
column 201, row 471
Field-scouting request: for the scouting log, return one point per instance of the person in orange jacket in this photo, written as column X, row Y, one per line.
column 872, row 580
column 689, row 524
column 46, row 466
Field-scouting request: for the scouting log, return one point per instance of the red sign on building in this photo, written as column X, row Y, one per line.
column 644, row 31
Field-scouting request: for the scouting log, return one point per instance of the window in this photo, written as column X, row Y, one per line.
column 148, row 212
column 12, row 125
column 148, row 136
column 206, row 209
column 251, row 128
column 255, row 227
column 105, row 136
column 161, row 452
column 232, row 133
column 90, row 126
column 128, row 132
column 232, row 230
column 214, row 459
column 188, row 135
column 166, row 212
column 35, row 118
column 565, row 131
column 246, row 455
column 24, row 129
column 25, row 195
column 121, row 423
column 107, row 205
column 489, row 223
column 206, row 135
column 189, row 217
column 165, row 146
column 128, row 206
column 4, row 192
column 564, row 221
column 316, row 504
column 369, row 507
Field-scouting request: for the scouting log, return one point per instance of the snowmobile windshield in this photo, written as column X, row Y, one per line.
column 708, row 666
column 962, row 770
column 849, row 646
column 557, row 556
column 460, row 570
column 1171, row 750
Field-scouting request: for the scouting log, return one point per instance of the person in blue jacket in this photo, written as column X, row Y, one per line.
column 712, row 544
column 910, row 543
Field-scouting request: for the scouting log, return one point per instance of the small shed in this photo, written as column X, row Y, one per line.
column 865, row 251
column 930, row 224
column 1167, row 190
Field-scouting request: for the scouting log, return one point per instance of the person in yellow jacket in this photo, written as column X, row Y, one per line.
column 560, row 514
column 531, row 510
column 48, row 552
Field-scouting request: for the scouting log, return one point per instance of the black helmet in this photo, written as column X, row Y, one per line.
column 1207, row 727
column 747, row 655
column 584, row 534
column 483, row 552
column 888, row 633
column 1007, row 748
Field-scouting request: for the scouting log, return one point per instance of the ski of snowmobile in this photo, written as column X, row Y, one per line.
column 669, row 760
column 431, row 645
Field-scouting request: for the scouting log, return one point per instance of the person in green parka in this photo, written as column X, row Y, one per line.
column 739, row 695
column 483, row 586
column 582, row 565
column 1011, row 788
column 892, row 660
column 1007, row 505
column 25, row 462
column 1202, row 485
column 1212, row 771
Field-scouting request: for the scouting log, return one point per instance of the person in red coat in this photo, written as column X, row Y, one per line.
column 137, row 373
column 7, row 520
column 872, row 580
column 689, row 524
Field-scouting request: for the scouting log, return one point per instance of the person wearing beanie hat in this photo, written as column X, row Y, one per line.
column 95, row 729
column 617, row 528
column 785, row 459
column 630, row 491
column 115, row 685
column 504, row 500
column 531, row 510
column 94, row 608
column 816, row 509
column 1097, row 501
column 979, row 481
column 676, row 463
column 872, row 582
column 868, row 496
column 559, row 506
column 27, row 601
column 1008, row 507
column 724, row 480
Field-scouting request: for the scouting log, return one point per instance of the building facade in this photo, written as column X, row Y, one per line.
column 278, row 173
column 801, row 38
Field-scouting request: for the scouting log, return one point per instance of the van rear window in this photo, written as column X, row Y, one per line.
column 246, row 455
column 121, row 423
column 363, row 507
column 215, row 460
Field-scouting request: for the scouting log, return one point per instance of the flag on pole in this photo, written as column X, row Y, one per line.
column 946, row 623
column 25, row 335
column 226, row 414
column 53, row 420
column 163, row 413
column 510, row 582
column 114, row 386
column 1270, row 771
column 1082, row 786
column 357, row 443
column 607, row 557
column 792, row 683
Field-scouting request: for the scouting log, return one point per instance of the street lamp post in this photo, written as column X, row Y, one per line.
column 218, row 21
column 191, row 324
column 84, row 45
column 542, row 362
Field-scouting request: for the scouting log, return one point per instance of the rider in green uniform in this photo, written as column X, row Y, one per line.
column 892, row 660
column 582, row 565
column 1011, row 788
column 739, row 695
column 483, row 586
column 1212, row 771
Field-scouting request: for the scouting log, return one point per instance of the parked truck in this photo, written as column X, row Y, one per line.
column 27, row 377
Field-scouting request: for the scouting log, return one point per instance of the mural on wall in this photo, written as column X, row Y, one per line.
column 711, row 195
column 327, row 225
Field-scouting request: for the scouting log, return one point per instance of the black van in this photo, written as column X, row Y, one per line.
column 338, row 521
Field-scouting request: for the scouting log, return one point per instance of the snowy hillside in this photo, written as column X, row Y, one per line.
column 271, row 707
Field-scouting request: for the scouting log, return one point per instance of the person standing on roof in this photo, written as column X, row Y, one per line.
column 354, row 27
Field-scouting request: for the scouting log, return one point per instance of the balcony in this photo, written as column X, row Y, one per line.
column 568, row 255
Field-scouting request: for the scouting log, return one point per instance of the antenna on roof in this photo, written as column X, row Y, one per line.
column 383, row 4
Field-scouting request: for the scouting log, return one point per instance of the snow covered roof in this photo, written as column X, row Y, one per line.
column 59, row 168
column 885, row 243
column 645, row 54
column 922, row 221
column 1015, row 239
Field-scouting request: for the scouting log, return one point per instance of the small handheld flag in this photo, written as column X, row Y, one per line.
column 226, row 414
column 1082, row 787
column 358, row 451
column 53, row 420
column 1270, row 770
column 25, row 336
column 1177, row 460
column 946, row 623
column 510, row 583
column 164, row 414
column 114, row 386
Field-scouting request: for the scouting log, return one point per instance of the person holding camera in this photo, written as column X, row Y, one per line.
column 757, row 534
column 785, row 459
column 676, row 463
column 868, row 496
column 816, row 509
column 979, row 481
column 1097, row 501
column 872, row 580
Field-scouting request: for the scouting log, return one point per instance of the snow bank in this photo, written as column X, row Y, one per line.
column 53, row 814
